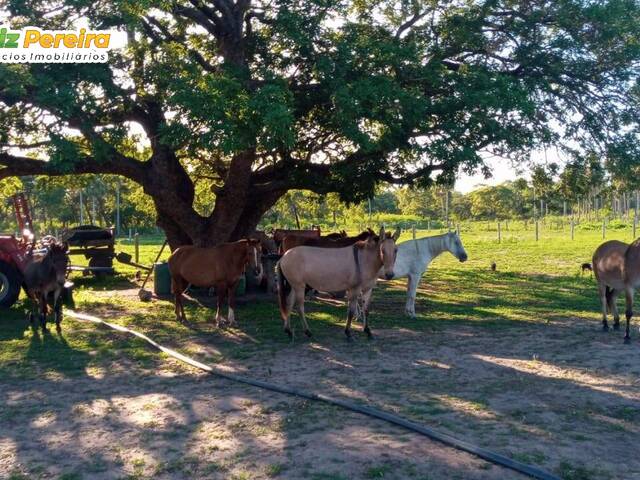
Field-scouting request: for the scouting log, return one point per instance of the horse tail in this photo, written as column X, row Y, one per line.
column 284, row 288
column 609, row 295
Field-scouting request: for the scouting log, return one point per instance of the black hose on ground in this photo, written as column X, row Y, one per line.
column 485, row 454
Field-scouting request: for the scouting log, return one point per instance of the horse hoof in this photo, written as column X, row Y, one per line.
column 605, row 328
column 627, row 340
column 308, row 333
column 616, row 326
column 289, row 332
column 349, row 339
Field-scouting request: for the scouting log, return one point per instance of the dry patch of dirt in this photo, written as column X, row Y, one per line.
column 563, row 396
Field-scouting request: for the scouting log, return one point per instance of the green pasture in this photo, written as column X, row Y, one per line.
column 535, row 281
column 537, row 286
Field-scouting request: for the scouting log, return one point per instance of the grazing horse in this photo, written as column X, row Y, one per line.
column 414, row 256
column 353, row 268
column 220, row 267
column 616, row 266
column 44, row 278
column 292, row 241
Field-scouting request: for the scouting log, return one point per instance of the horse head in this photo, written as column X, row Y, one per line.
column 254, row 257
column 454, row 245
column 387, row 249
column 58, row 255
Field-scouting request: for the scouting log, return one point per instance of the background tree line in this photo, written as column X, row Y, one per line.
column 584, row 188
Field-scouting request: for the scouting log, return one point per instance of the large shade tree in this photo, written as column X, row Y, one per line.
column 259, row 97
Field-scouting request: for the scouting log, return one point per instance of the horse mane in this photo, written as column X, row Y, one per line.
column 362, row 244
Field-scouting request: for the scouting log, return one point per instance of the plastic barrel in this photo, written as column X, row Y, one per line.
column 161, row 279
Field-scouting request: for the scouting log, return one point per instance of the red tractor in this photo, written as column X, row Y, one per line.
column 14, row 253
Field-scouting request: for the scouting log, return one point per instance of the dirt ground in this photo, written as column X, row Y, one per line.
column 542, row 395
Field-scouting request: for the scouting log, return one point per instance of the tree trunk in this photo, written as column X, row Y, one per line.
column 237, row 211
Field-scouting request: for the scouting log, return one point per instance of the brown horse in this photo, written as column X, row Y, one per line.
column 353, row 268
column 616, row 266
column 44, row 279
column 220, row 267
column 291, row 241
column 280, row 233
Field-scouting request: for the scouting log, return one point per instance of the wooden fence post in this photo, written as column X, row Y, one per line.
column 635, row 224
column 499, row 233
column 136, row 243
column 572, row 227
column 458, row 229
column 413, row 231
column 537, row 231
column 604, row 229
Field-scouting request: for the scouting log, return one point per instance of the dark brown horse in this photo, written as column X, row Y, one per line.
column 44, row 279
column 336, row 235
column 220, row 267
column 291, row 241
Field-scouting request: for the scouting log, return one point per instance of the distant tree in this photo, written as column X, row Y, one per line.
column 385, row 202
column 493, row 202
column 423, row 202
column 461, row 206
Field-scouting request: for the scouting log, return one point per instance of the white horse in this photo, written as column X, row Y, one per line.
column 414, row 256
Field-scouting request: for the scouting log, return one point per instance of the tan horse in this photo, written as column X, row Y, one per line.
column 220, row 267
column 616, row 266
column 353, row 268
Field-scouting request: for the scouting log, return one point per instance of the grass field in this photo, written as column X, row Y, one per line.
column 512, row 360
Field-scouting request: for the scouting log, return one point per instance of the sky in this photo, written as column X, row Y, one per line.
column 503, row 170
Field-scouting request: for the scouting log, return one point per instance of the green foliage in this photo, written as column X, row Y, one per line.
column 339, row 96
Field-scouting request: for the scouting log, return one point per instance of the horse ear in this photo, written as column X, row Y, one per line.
column 396, row 234
column 382, row 233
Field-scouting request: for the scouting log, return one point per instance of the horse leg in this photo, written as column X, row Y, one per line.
column 42, row 300
column 221, row 290
column 231, row 292
column 613, row 308
column 366, row 299
column 57, row 306
column 413, row 281
column 602, row 289
column 300, row 295
column 33, row 307
column 291, row 300
column 628, row 312
column 352, row 309
column 177, row 287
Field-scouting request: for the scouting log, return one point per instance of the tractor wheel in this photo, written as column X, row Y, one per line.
column 9, row 285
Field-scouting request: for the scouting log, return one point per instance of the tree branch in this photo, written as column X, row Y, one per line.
column 16, row 165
